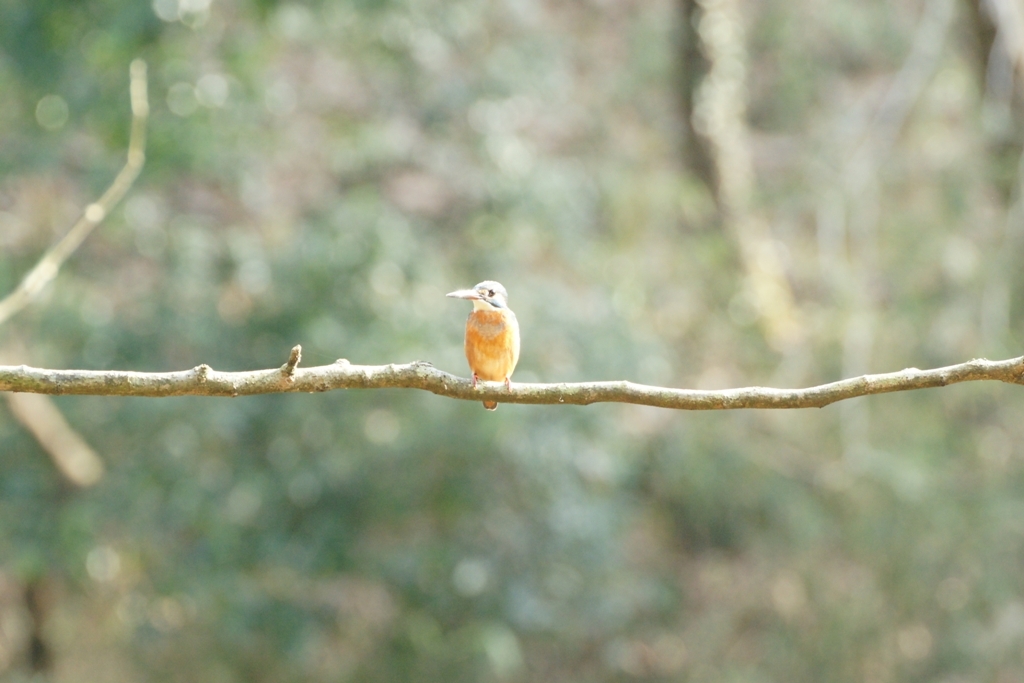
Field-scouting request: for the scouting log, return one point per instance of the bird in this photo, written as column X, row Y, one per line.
column 492, row 335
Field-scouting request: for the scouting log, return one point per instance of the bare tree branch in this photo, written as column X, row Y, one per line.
column 205, row 381
column 49, row 265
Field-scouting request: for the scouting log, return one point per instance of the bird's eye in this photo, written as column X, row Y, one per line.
column 490, row 292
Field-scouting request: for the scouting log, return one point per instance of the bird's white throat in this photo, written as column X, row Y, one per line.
column 481, row 305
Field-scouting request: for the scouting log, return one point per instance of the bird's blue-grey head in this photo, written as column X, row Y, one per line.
column 487, row 296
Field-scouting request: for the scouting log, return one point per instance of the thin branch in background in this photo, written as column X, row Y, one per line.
column 94, row 214
column 73, row 457
column 855, row 279
column 39, row 415
column 70, row 453
column 205, row 381
column 910, row 81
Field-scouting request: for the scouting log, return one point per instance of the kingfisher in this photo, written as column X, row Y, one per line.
column 492, row 335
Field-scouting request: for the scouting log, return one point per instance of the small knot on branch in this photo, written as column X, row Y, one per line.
column 202, row 372
column 94, row 213
column 288, row 369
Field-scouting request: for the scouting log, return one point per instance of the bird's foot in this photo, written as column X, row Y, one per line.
column 508, row 384
column 475, row 378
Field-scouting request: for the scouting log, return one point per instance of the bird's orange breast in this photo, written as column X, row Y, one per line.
column 492, row 344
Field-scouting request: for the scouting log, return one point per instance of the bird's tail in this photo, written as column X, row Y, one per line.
column 491, row 405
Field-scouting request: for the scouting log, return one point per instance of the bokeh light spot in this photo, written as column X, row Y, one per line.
column 52, row 112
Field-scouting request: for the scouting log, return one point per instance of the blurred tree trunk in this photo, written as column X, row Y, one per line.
column 981, row 35
column 693, row 67
column 993, row 36
column 714, row 96
column 38, row 600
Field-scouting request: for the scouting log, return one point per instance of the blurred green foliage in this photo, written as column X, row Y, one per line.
column 322, row 173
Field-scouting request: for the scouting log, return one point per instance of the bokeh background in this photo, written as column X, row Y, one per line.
column 692, row 193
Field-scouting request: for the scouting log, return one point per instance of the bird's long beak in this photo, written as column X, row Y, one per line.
column 464, row 294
